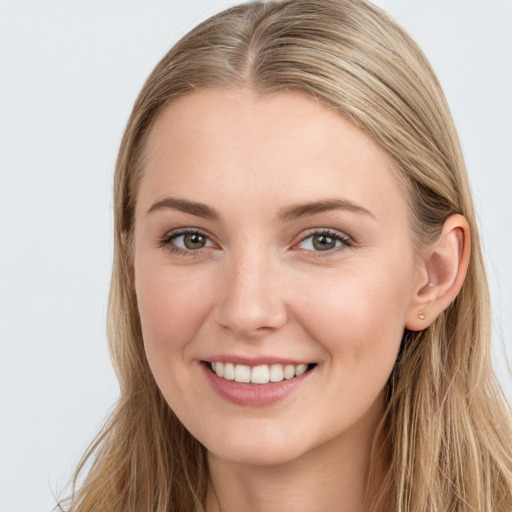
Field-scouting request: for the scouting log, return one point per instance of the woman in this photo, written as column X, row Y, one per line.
column 299, row 312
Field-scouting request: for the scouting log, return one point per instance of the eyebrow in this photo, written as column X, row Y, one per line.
column 303, row 210
column 288, row 213
column 183, row 205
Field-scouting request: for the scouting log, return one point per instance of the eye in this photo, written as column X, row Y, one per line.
column 185, row 241
column 324, row 241
column 191, row 241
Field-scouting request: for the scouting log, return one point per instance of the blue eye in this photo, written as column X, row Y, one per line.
column 324, row 241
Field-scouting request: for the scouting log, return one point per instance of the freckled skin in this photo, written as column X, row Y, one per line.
column 258, row 288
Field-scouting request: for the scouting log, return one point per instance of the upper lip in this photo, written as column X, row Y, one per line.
column 255, row 361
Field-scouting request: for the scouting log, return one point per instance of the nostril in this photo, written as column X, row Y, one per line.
column 251, row 304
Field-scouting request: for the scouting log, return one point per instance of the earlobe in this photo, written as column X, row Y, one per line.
column 444, row 268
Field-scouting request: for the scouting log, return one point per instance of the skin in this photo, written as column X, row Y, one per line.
column 260, row 288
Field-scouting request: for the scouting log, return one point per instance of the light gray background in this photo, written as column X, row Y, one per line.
column 69, row 73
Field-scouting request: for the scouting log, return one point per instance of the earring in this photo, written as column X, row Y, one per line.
column 421, row 314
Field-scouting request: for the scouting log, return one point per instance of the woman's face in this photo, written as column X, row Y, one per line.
column 271, row 240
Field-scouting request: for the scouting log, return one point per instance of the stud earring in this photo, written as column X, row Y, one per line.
column 421, row 314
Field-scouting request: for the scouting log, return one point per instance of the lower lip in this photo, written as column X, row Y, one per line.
column 253, row 395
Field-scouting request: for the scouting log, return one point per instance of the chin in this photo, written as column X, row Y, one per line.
column 254, row 451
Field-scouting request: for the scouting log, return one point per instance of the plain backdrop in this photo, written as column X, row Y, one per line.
column 69, row 73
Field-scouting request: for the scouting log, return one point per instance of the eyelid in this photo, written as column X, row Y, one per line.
column 165, row 242
column 346, row 240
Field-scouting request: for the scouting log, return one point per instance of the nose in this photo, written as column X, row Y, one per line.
column 251, row 301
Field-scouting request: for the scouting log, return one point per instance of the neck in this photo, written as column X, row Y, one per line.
column 333, row 476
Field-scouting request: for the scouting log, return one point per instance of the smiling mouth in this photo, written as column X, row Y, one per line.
column 260, row 374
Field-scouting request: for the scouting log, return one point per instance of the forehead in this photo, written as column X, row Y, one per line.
column 283, row 147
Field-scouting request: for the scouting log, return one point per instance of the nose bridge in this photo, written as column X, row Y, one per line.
column 252, row 301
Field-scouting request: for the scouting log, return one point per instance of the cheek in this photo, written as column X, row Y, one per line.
column 359, row 322
column 359, row 319
column 172, row 307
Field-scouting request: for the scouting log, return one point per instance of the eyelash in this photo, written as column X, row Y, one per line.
column 345, row 240
column 166, row 241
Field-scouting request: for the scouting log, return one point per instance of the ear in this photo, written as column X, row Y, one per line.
column 443, row 269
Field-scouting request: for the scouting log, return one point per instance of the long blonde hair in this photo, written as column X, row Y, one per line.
column 447, row 427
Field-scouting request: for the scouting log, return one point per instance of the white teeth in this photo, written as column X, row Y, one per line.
column 300, row 369
column 218, row 369
column 261, row 374
column 242, row 373
column 229, row 371
column 276, row 373
column 289, row 371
